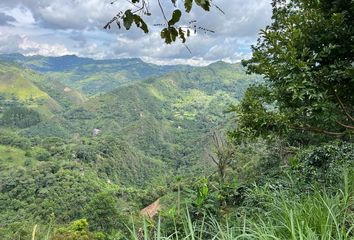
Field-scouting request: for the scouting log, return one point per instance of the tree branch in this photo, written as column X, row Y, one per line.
column 213, row 159
column 343, row 107
column 319, row 130
column 162, row 11
column 346, row 126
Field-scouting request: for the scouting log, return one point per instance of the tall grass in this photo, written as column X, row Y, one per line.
column 316, row 215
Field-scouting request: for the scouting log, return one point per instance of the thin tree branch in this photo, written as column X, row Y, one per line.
column 346, row 126
column 213, row 159
column 319, row 130
column 343, row 107
column 162, row 11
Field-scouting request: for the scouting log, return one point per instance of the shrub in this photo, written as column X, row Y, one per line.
column 78, row 230
column 324, row 164
column 42, row 155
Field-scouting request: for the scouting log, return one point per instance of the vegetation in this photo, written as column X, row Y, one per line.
column 306, row 58
column 172, row 30
column 161, row 157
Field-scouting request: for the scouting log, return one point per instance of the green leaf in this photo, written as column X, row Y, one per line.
column 181, row 35
column 165, row 34
column 205, row 4
column 139, row 22
column 128, row 19
column 176, row 16
column 169, row 34
column 188, row 5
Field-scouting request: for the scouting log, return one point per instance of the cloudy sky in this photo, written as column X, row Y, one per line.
column 61, row 27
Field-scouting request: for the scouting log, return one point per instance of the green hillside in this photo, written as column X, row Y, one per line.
column 170, row 117
column 15, row 83
column 122, row 149
column 107, row 156
column 91, row 76
column 19, row 86
column 128, row 138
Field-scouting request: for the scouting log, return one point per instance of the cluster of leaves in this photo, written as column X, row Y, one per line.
column 306, row 57
column 171, row 30
column 324, row 165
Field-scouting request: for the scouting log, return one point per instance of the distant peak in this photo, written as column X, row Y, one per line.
column 219, row 63
column 69, row 56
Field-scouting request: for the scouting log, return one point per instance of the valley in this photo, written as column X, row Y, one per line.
column 152, row 124
column 254, row 140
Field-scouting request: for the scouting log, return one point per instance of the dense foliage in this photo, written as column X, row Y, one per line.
column 20, row 117
column 119, row 148
column 306, row 57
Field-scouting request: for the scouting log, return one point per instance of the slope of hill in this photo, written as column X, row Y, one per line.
column 18, row 86
column 91, row 76
column 168, row 118
column 37, row 91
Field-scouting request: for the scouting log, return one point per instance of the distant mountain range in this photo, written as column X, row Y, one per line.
column 91, row 76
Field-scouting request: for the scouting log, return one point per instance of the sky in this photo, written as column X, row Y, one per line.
column 65, row 27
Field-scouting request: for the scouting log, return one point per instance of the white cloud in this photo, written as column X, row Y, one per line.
column 23, row 44
column 194, row 61
column 58, row 27
column 23, row 16
column 6, row 19
column 29, row 47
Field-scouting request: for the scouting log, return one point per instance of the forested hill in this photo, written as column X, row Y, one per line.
column 83, row 127
column 91, row 76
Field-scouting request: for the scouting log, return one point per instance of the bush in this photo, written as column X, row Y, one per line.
column 78, row 230
column 86, row 154
column 14, row 140
column 324, row 164
column 43, row 155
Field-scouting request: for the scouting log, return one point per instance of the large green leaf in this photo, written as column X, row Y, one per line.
column 205, row 4
column 128, row 19
column 188, row 5
column 176, row 16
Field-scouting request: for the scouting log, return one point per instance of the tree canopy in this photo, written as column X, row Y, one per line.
column 306, row 57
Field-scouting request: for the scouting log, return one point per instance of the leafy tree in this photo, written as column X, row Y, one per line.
column 102, row 212
column 324, row 164
column 306, row 57
column 171, row 30
column 12, row 139
column 78, row 230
